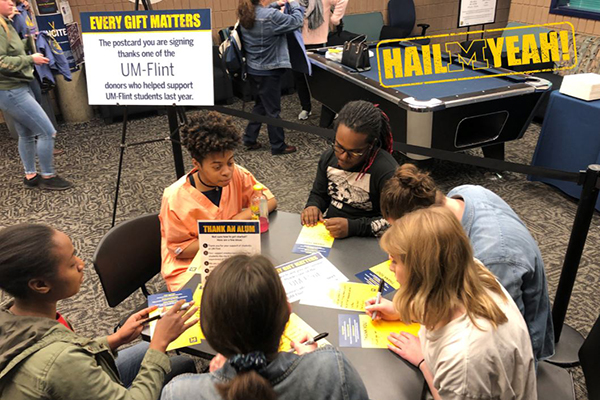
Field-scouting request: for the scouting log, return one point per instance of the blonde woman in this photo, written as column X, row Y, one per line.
column 473, row 341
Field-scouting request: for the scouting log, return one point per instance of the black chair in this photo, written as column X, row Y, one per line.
column 554, row 382
column 589, row 356
column 127, row 257
column 401, row 19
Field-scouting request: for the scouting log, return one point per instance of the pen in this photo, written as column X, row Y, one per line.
column 378, row 298
column 184, row 307
column 313, row 340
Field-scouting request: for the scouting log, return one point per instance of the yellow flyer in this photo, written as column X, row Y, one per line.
column 314, row 239
column 190, row 337
column 345, row 295
column 295, row 330
column 358, row 330
column 373, row 275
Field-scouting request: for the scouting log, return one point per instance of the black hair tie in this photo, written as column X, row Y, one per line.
column 252, row 361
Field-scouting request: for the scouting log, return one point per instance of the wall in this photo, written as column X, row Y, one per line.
column 538, row 12
column 442, row 15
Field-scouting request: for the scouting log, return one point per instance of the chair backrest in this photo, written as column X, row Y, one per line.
column 368, row 24
column 589, row 356
column 128, row 256
column 402, row 14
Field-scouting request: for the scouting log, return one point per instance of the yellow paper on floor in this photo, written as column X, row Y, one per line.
column 374, row 334
column 190, row 337
column 295, row 330
column 383, row 271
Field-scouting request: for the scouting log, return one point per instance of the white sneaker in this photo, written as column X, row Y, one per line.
column 304, row 115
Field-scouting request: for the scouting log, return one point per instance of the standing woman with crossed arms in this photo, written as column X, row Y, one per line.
column 17, row 100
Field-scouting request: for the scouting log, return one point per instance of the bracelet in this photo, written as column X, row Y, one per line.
column 419, row 364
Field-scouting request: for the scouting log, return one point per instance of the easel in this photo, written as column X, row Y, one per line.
column 177, row 118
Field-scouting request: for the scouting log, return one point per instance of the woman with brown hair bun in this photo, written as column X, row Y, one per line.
column 499, row 238
column 244, row 313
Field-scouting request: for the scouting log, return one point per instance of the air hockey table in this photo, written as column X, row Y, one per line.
column 458, row 115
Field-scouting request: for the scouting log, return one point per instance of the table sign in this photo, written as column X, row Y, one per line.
column 476, row 12
column 220, row 240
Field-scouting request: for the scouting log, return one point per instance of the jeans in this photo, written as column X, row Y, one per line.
column 267, row 91
column 30, row 122
column 130, row 359
column 302, row 84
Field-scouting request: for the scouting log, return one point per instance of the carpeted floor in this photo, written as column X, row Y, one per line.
column 90, row 159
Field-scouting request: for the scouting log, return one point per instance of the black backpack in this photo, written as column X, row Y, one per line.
column 232, row 53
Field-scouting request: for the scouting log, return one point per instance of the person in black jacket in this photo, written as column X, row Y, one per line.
column 350, row 176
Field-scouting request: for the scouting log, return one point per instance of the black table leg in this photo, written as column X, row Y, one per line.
column 327, row 117
column 495, row 151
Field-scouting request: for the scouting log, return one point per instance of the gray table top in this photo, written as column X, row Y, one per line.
column 385, row 375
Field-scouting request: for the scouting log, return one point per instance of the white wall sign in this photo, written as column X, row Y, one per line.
column 149, row 57
column 476, row 12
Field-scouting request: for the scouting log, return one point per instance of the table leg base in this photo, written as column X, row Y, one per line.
column 567, row 348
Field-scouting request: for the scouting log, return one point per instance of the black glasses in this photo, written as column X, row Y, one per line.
column 339, row 150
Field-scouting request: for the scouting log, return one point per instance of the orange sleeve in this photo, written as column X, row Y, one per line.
column 173, row 229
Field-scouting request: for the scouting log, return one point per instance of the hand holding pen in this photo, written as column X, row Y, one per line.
column 307, row 344
column 378, row 298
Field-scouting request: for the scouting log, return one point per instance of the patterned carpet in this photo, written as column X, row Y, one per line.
column 90, row 160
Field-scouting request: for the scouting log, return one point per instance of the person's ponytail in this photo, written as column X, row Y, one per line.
column 247, row 13
column 248, row 385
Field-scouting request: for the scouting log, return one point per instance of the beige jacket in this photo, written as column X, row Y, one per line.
column 319, row 35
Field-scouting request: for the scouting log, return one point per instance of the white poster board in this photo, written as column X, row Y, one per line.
column 476, row 12
column 149, row 57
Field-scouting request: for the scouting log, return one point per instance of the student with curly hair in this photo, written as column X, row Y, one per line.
column 352, row 173
column 500, row 240
column 216, row 188
column 473, row 342
column 244, row 314
column 42, row 357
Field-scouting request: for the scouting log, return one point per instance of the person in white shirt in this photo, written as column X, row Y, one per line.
column 473, row 341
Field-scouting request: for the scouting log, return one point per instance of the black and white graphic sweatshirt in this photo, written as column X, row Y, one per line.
column 338, row 193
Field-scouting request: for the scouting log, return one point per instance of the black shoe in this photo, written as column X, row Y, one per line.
column 253, row 146
column 33, row 182
column 287, row 150
column 55, row 183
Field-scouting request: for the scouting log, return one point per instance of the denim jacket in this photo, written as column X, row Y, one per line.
column 265, row 45
column 502, row 242
column 323, row 374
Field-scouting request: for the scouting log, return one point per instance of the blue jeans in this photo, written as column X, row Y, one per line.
column 267, row 91
column 130, row 359
column 30, row 121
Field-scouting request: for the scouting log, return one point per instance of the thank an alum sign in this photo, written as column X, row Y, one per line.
column 148, row 57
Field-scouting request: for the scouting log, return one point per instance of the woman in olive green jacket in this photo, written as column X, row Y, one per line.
column 40, row 355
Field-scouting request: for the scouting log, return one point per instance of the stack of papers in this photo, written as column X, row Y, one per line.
column 582, row 86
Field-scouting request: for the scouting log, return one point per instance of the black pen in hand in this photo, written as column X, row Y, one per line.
column 312, row 341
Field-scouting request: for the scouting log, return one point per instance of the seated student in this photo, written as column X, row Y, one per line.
column 499, row 239
column 244, row 313
column 40, row 355
column 352, row 173
column 473, row 342
column 216, row 188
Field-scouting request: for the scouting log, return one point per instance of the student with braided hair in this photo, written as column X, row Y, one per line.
column 244, row 314
column 351, row 175
column 216, row 188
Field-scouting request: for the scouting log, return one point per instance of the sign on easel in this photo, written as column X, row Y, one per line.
column 476, row 12
column 149, row 57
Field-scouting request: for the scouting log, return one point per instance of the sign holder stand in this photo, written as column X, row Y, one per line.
column 177, row 118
